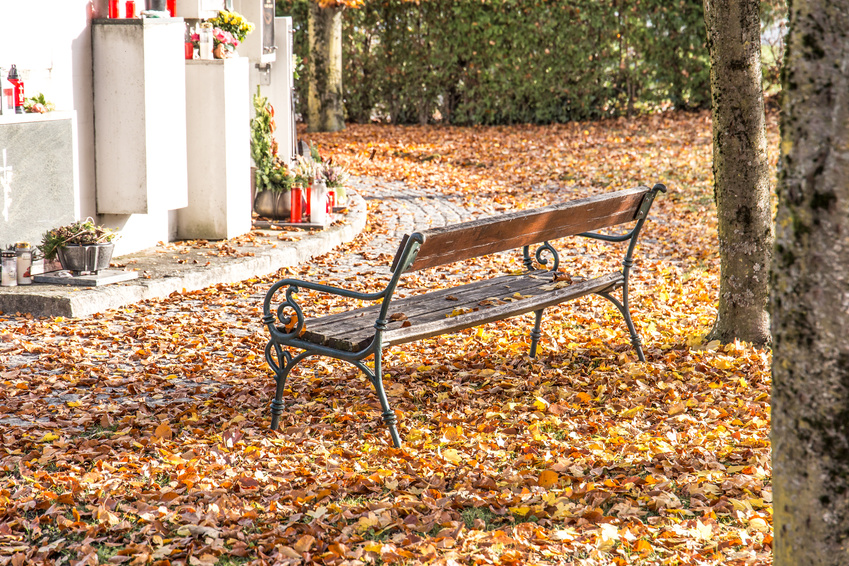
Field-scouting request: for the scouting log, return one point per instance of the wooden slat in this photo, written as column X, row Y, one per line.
column 353, row 330
column 428, row 315
column 415, row 305
column 514, row 230
column 500, row 312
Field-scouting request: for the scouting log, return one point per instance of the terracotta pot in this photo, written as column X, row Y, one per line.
column 86, row 259
column 277, row 206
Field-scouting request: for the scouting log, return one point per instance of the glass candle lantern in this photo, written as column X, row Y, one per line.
column 205, row 41
column 9, row 267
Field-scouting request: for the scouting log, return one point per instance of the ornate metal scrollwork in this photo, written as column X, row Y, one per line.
column 545, row 248
column 277, row 358
column 286, row 321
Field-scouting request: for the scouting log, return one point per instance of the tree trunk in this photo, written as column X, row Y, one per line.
column 740, row 170
column 325, row 112
column 810, row 293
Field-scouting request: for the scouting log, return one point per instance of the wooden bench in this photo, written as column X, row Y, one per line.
column 357, row 334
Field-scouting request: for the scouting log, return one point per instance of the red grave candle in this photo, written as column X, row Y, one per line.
column 297, row 196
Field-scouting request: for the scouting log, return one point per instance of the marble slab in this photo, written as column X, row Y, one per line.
column 37, row 183
column 103, row 277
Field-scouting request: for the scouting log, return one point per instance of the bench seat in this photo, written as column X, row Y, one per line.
column 453, row 309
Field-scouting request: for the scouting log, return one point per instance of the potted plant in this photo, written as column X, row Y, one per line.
column 82, row 246
column 272, row 177
column 335, row 176
column 332, row 173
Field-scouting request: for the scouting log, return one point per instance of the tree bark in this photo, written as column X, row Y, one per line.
column 810, row 293
column 325, row 112
column 740, row 171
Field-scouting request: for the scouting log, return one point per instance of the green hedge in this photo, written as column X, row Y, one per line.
column 517, row 61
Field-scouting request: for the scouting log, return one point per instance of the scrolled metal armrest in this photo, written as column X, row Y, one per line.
column 544, row 248
column 271, row 318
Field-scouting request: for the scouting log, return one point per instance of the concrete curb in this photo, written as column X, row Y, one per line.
column 59, row 300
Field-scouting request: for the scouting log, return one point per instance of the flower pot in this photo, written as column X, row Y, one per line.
column 85, row 259
column 276, row 206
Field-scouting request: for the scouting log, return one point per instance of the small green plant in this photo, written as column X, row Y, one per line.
column 104, row 553
column 80, row 233
column 470, row 514
column 272, row 174
column 38, row 104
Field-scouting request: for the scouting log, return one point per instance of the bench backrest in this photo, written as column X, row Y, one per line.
column 524, row 228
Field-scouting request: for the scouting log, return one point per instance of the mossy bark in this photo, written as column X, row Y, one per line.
column 740, row 170
column 810, row 293
column 325, row 97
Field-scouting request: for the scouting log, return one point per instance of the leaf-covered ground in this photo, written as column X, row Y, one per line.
column 139, row 436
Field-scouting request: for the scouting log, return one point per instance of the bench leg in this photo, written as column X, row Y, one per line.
column 282, row 363
column 536, row 333
column 388, row 414
column 277, row 405
column 635, row 338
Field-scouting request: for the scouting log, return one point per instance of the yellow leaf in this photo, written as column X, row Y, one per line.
column 368, row 522
column 452, row 456
column 49, row 437
column 540, row 404
column 632, row 411
column 524, row 510
column 74, row 404
column 373, row 547
column 548, row 478
column 759, row 525
column 534, row 430
column 740, row 505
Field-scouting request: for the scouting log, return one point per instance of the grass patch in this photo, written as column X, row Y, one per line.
column 490, row 520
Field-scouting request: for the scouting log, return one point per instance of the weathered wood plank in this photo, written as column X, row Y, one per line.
column 420, row 303
column 430, row 315
column 526, row 227
column 500, row 312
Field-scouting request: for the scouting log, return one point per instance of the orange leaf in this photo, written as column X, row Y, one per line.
column 163, row 431
column 304, row 543
column 644, row 547
column 548, row 478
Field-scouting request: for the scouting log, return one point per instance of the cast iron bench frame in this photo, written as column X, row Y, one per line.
column 357, row 334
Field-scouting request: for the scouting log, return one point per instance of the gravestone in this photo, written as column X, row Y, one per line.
column 37, row 178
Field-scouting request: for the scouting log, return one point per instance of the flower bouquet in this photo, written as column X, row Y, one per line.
column 232, row 23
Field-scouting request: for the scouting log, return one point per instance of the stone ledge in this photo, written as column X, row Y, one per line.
column 61, row 300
